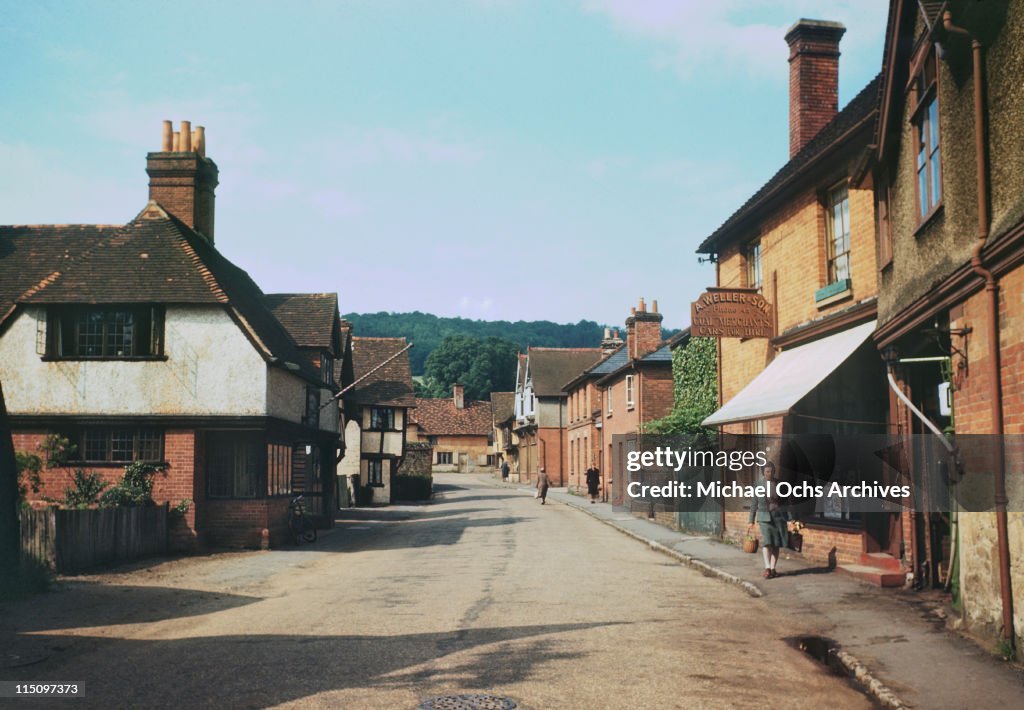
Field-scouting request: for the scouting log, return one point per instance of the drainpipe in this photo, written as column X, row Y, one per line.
column 992, row 316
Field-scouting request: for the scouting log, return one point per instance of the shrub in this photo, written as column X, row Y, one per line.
column 85, row 488
column 413, row 487
column 134, row 488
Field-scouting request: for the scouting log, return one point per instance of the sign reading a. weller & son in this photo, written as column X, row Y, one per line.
column 731, row 313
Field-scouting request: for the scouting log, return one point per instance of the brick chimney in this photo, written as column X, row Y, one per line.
column 457, row 395
column 182, row 179
column 643, row 330
column 813, row 78
column 610, row 341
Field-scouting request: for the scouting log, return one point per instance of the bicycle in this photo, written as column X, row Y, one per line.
column 301, row 526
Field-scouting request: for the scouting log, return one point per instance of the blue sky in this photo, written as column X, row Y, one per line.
column 512, row 159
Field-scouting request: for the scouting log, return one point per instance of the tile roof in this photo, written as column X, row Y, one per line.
column 390, row 385
column 550, row 368
column 438, row 417
column 308, row 317
column 855, row 112
column 662, row 354
column 503, row 406
column 155, row 258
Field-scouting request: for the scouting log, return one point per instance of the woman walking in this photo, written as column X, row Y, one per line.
column 593, row 483
column 768, row 513
column 542, row 485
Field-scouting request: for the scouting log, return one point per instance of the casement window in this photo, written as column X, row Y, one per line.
column 116, row 332
column 925, row 120
column 121, row 445
column 234, row 464
column 838, row 245
column 279, row 469
column 311, row 417
column 630, row 399
column 382, row 418
column 753, row 259
column 608, row 400
column 375, row 472
column 444, row 458
column 326, row 368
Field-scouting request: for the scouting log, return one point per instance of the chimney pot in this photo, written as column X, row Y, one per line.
column 176, row 142
column 200, row 146
column 186, row 137
column 643, row 306
column 167, row 137
column 654, row 306
column 813, row 78
column 457, row 396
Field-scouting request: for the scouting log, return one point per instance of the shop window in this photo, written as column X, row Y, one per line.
column 234, row 464
column 279, row 469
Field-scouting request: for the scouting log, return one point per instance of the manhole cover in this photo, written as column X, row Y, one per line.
column 468, row 702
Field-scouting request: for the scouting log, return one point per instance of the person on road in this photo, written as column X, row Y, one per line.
column 504, row 471
column 542, row 485
column 593, row 483
column 767, row 512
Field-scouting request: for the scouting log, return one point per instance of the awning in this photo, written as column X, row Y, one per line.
column 790, row 377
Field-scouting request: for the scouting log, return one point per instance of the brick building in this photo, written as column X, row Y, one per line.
column 541, row 410
column 142, row 342
column 806, row 241
column 948, row 172
column 586, row 415
column 459, row 431
column 636, row 387
column 503, row 412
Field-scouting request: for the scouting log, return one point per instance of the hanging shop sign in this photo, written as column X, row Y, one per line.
column 731, row 313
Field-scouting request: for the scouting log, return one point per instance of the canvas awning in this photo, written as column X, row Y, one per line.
column 790, row 377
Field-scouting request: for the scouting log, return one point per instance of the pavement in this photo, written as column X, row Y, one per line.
column 895, row 642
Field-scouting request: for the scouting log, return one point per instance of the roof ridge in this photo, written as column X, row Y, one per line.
column 61, row 226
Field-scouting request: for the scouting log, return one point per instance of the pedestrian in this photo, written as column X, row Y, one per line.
column 542, row 485
column 593, row 483
column 767, row 511
column 504, row 471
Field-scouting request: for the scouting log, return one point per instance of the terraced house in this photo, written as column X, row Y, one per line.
column 142, row 342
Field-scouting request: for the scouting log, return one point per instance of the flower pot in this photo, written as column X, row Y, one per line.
column 750, row 544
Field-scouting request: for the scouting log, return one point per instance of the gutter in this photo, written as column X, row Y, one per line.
column 992, row 326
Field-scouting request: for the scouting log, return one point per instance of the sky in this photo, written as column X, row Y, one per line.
column 492, row 159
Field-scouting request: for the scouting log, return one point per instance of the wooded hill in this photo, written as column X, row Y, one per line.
column 427, row 331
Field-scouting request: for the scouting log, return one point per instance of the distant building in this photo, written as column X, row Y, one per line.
column 459, row 431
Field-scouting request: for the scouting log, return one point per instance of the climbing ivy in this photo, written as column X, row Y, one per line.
column 695, row 383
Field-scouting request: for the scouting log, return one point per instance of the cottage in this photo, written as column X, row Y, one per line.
column 142, row 342
column 377, row 410
column 460, row 432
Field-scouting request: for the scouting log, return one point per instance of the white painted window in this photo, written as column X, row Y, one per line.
column 629, row 391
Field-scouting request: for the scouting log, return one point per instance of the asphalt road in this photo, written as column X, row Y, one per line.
column 481, row 591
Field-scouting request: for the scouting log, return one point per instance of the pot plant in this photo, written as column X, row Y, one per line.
column 796, row 538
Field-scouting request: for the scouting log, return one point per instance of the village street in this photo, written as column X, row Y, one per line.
column 483, row 590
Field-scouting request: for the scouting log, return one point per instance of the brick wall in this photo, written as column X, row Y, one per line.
column 813, row 79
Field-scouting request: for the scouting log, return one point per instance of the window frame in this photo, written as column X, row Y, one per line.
column 256, row 464
column 280, row 464
column 630, row 392
column 448, row 455
column 326, row 368
column 832, row 257
column 754, row 265
column 372, row 425
column 924, row 96
column 372, row 479
column 64, row 331
column 80, row 438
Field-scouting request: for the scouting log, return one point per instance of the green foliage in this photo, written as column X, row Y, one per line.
column 85, row 488
column 413, row 487
column 29, row 468
column 57, row 449
column 134, row 488
column 181, row 508
column 695, row 383
column 481, row 366
column 428, row 331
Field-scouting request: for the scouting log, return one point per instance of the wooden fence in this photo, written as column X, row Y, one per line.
column 71, row 541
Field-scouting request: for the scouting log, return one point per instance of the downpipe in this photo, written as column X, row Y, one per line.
column 992, row 318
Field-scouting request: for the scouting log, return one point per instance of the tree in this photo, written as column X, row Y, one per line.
column 695, row 384
column 482, row 366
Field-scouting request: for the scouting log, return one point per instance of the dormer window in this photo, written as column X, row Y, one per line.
column 105, row 332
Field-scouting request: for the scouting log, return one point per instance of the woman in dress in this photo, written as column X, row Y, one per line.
column 542, row 485
column 593, row 483
column 767, row 512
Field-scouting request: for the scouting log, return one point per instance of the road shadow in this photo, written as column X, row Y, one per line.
column 266, row 670
column 77, row 604
column 414, row 532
